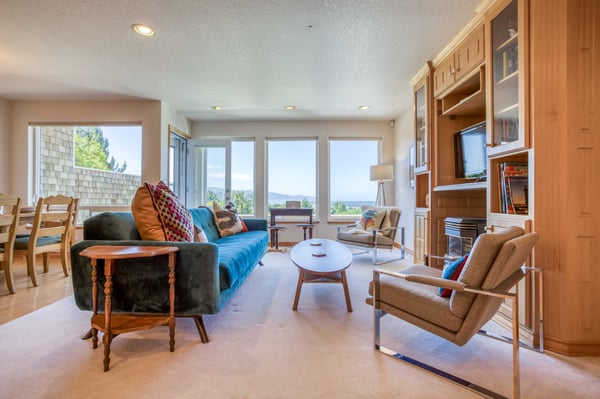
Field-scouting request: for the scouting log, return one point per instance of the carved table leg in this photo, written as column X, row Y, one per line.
column 107, row 338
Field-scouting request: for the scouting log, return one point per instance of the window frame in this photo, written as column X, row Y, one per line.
column 315, row 140
column 347, row 218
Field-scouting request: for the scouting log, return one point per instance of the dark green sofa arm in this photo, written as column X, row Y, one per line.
column 140, row 285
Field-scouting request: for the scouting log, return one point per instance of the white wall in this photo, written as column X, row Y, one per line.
column 405, row 195
column 321, row 129
column 22, row 114
column 5, row 149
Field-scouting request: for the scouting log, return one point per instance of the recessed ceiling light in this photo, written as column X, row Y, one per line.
column 289, row 107
column 217, row 107
column 144, row 30
column 363, row 107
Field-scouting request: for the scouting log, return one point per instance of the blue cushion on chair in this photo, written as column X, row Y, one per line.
column 451, row 272
column 22, row 243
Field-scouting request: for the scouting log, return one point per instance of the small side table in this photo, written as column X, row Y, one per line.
column 122, row 323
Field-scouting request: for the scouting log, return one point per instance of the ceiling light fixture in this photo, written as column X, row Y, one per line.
column 289, row 107
column 143, row 30
column 217, row 107
column 363, row 107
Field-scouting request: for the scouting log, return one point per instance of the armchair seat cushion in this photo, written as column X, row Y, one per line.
column 365, row 238
column 419, row 300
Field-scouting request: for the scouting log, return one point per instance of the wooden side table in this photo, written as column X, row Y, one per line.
column 113, row 325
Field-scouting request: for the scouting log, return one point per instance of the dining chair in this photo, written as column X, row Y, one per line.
column 73, row 224
column 10, row 207
column 49, row 233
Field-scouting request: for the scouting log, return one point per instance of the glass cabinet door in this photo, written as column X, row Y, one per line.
column 420, row 129
column 508, row 132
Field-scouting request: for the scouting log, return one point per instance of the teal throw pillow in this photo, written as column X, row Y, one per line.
column 451, row 272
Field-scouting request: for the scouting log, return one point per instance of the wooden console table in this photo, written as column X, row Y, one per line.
column 307, row 212
column 122, row 323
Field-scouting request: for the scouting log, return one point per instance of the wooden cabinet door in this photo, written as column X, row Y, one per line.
column 421, row 228
column 444, row 75
column 470, row 54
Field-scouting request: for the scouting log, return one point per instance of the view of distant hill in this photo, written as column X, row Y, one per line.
column 278, row 198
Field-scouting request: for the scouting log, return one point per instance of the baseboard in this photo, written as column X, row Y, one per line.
column 571, row 348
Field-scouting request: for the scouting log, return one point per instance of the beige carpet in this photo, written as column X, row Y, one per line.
column 260, row 348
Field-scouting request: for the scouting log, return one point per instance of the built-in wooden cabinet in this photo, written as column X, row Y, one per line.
column 509, row 130
column 422, row 99
column 535, row 87
column 421, row 233
column 468, row 55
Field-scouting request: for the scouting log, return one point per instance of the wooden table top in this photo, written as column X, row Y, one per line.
column 125, row 251
column 337, row 256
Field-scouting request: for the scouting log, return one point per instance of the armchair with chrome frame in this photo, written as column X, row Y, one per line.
column 493, row 268
column 377, row 237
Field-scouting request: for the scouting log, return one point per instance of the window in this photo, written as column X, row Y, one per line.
column 242, row 176
column 101, row 165
column 292, row 172
column 349, row 177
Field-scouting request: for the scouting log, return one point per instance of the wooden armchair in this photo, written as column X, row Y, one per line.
column 9, row 219
column 381, row 235
column 492, row 269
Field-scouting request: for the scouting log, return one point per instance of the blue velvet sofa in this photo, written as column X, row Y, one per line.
column 206, row 274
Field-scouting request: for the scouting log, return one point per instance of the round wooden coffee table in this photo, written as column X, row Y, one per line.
column 321, row 260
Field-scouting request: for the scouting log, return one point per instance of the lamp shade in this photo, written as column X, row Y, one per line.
column 382, row 172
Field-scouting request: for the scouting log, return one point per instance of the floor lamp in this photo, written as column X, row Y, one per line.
column 380, row 174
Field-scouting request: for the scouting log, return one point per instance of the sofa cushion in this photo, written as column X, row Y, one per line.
column 227, row 221
column 371, row 219
column 175, row 219
column 451, row 272
column 204, row 219
column 145, row 216
column 160, row 216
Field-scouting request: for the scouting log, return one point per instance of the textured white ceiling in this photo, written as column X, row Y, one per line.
column 326, row 57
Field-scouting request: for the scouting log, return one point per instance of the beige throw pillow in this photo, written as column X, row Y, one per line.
column 228, row 222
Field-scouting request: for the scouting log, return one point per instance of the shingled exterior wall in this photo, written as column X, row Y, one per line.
column 93, row 187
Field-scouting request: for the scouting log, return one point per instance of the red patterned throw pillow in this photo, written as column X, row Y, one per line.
column 175, row 218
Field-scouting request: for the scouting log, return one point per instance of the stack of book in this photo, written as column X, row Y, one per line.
column 514, row 187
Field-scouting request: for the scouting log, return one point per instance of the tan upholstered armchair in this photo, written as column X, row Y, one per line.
column 377, row 228
column 492, row 269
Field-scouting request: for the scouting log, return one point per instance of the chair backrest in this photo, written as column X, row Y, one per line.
column 53, row 216
column 73, row 224
column 482, row 257
column 10, row 206
column 503, row 274
column 391, row 219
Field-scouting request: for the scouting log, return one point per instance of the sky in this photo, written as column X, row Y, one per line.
column 293, row 165
column 125, row 144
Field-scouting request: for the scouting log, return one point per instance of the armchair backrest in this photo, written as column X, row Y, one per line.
column 391, row 219
column 483, row 255
column 503, row 274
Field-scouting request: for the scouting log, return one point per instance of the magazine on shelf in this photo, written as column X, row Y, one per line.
column 513, row 187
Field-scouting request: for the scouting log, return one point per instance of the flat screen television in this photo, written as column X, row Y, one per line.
column 470, row 152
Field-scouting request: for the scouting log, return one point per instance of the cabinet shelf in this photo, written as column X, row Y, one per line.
column 509, row 109
column 471, row 105
column 462, row 186
column 508, row 78
column 468, row 98
column 508, row 42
